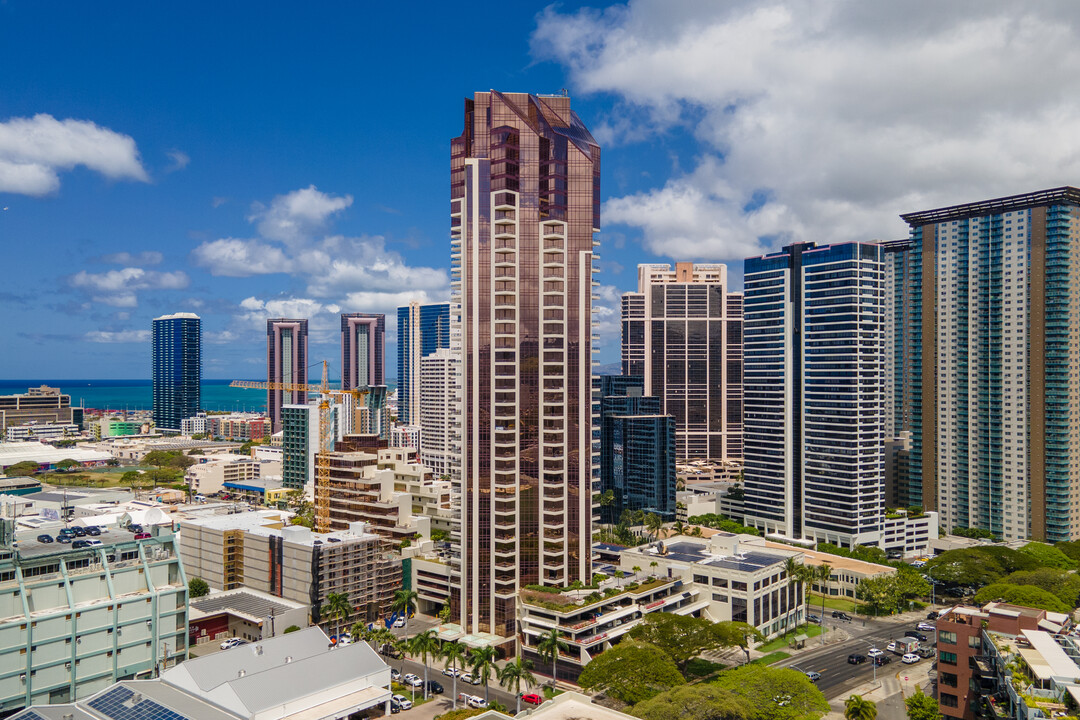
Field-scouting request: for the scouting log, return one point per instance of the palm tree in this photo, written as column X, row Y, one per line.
column 405, row 602
column 636, row 569
column 794, row 572
column 453, row 655
column 824, row 572
column 482, row 662
column 513, row 674
column 337, row 606
column 549, row 646
column 653, row 565
column 401, row 645
column 360, row 631
column 655, row 524
column 679, row 528
column 425, row 645
column 856, row 708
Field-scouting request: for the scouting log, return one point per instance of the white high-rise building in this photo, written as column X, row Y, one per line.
column 440, row 413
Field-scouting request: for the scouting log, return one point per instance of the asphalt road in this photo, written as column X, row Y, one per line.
column 838, row 677
column 435, row 669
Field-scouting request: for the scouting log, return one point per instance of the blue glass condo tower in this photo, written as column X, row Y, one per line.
column 177, row 368
column 422, row 329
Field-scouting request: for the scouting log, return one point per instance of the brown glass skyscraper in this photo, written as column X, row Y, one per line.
column 286, row 362
column 525, row 203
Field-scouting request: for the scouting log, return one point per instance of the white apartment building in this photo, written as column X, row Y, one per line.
column 210, row 477
column 440, row 412
column 405, row 436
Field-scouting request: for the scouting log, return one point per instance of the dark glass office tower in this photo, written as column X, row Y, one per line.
column 363, row 350
column 814, row 393
column 525, row 204
column 422, row 329
column 637, row 449
column 286, row 362
column 177, row 369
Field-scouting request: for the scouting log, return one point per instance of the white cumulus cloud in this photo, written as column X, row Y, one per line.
column 146, row 257
column 298, row 215
column 119, row 288
column 119, row 336
column 230, row 257
column 34, row 150
column 823, row 120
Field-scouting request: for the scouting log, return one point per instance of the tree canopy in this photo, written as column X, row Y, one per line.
column 1049, row 556
column 774, row 693
column 1065, row 585
column 978, row 566
column 25, row 468
column 921, row 706
column 1026, row 595
column 683, row 637
column 631, row 672
column 723, row 522
column 892, row 592
column 705, row 701
column 168, row 459
column 197, row 587
column 861, row 552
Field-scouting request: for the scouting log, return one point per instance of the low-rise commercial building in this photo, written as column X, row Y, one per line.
column 47, row 456
column 73, row 621
column 41, row 405
column 907, row 535
column 211, row 476
column 242, row 613
column 294, row 677
column 260, row 550
column 264, row 491
column 41, row 431
column 846, row 575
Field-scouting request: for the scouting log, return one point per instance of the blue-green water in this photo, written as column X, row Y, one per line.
column 137, row 394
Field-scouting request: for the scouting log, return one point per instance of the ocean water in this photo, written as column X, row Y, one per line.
column 138, row 394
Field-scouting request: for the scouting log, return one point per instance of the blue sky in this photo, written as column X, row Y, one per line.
column 241, row 160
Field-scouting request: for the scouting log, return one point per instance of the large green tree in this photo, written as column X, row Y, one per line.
column 197, row 588
column 682, row 637
column 631, row 672
column 1065, row 585
column 1049, row 556
column 774, row 693
column 921, row 706
column 1026, row 595
column 21, row 469
column 703, row 701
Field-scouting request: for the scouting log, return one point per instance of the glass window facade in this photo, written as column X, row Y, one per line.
column 176, row 369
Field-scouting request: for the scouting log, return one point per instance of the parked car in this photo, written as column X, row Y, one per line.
column 44, row 538
column 142, row 536
column 79, row 532
column 135, row 528
column 434, row 687
column 532, row 699
column 67, row 531
column 64, row 538
column 395, row 708
column 92, row 543
column 813, row 676
column 452, row 672
column 925, row 652
column 874, row 652
column 882, row 660
column 839, row 615
column 813, row 618
column 395, row 674
column 412, row 680
column 932, row 615
column 475, row 701
column 910, row 658
column 403, row 702
column 80, row 544
column 399, row 623
column 928, row 626
column 93, row 531
column 856, row 659
column 389, row 650
column 917, row 635
column 231, row 643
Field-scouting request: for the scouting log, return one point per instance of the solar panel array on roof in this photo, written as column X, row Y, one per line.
column 28, row 715
column 120, row 703
column 746, row 563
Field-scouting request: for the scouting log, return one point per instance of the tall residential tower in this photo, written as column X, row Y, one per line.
column 363, row 350
column 421, row 330
column 286, row 362
column 992, row 395
column 682, row 332
column 814, row 393
column 525, row 204
column 177, row 368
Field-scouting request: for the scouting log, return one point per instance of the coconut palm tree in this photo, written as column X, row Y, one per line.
column 405, row 602
column 652, row 567
column 637, row 570
column 679, row 528
column 482, row 662
column 453, row 655
column 513, row 674
column 857, row 708
column 824, row 572
column 654, row 523
column 794, row 572
column 337, row 606
column 425, row 645
column 549, row 646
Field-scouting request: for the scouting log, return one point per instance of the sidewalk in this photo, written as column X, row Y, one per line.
column 888, row 692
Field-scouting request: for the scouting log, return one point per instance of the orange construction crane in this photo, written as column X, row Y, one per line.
column 326, row 438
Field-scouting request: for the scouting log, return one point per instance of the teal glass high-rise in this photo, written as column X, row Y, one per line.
column 177, row 369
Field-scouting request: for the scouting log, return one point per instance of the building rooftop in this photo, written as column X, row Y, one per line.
column 274, row 523
column 246, row 602
column 836, row 562
column 17, row 452
column 179, row 316
column 1056, row 196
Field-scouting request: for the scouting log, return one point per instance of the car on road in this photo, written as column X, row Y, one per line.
column 468, row 677
column 910, row 658
column 452, row 672
column 412, row 680
column 231, row 643
column 44, row 538
column 434, row 687
column 395, row 674
column 839, row 615
column 917, row 635
column 882, row 660
column 891, row 647
column 532, row 699
column 856, row 659
column 813, row 676
column 928, row 626
column 813, row 618
column 403, row 702
column 874, row 652
column 475, row 701
column 925, row 652
column 390, row 651
column 932, row 615
column 399, row 623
